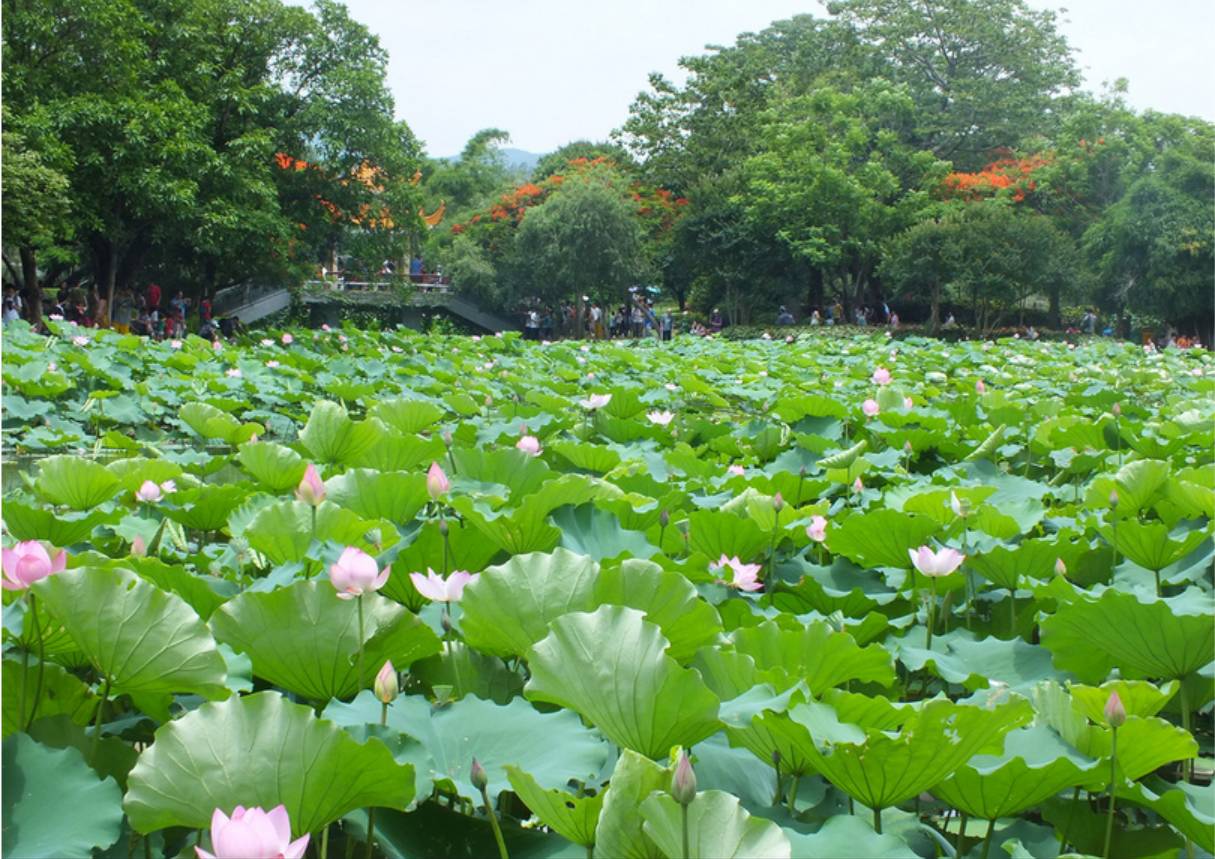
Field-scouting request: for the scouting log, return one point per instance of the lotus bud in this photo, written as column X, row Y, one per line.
column 442, row 527
column 447, row 439
column 1113, row 497
column 980, row 387
column 683, row 783
column 311, row 490
column 1115, row 713
column 1117, row 410
column 776, row 757
column 664, row 518
column 857, row 486
column 1060, row 567
column 778, row 502
column 801, row 472
column 437, row 483
column 386, row 685
column 477, row 776
column 375, row 538
column 139, row 549
column 445, row 622
column 907, row 448
column 959, row 506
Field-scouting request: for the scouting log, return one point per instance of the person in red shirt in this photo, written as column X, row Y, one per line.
column 153, row 297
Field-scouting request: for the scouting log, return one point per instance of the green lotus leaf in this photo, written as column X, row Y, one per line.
column 1036, row 765
column 572, row 817
column 62, row 693
column 75, row 482
column 610, row 666
column 958, row 657
column 320, row 664
column 259, row 751
column 846, row 835
column 507, row 608
column 395, row 452
column 585, row 456
column 1188, row 807
column 147, row 643
column 1137, row 483
column 1193, row 499
column 276, row 467
column 597, row 533
column 37, row 780
column 468, row 672
column 1150, row 544
column 713, row 533
column 621, row 831
column 553, row 747
column 815, row 654
column 880, row 770
column 718, row 827
column 209, row 422
column 208, row 507
column 407, row 416
column 394, row 496
column 524, row 530
column 1163, row 639
column 202, row 593
column 333, row 438
column 1006, row 566
column 1139, row 698
column 727, row 673
column 283, row 531
column 27, row 522
column 506, row 466
column 668, row 600
column 880, row 538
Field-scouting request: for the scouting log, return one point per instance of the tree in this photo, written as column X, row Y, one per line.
column 558, row 161
column 583, row 240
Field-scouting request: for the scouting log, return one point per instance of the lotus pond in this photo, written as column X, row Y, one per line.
column 889, row 598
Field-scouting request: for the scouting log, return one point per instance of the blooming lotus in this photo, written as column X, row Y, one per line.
column 217, row 346
column 28, row 562
column 234, row 372
column 435, row 588
column 881, row 376
column 266, row 341
column 595, row 401
column 933, row 564
column 870, row 407
column 662, row 419
column 80, row 340
column 529, row 444
column 355, row 573
column 817, row 529
column 437, row 483
column 736, row 471
column 149, row 492
column 288, row 339
column 175, row 344
column 744, row 577
column 311, row 489
column 253, row 834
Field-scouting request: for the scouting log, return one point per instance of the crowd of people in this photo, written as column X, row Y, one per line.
column 598, row 321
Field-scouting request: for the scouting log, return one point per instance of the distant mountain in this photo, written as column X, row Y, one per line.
column 516, row 159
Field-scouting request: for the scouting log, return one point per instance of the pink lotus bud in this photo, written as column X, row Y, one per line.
column 907, row 448
column 664, row 518
column 149, row 492
column 857, row 486
column 1117, row 410
column 447, row 439
column 817, row 529
column 437, row 483
column 1113, row 497
column 736, row 471
column 1060, row 567
column 442, row 527
column 288, row 339
column 959, row 506
column 253, row 834
column 980, row 387
column 908, row 403
column 778, row 502
column 356, row 573
column 29, row 562
column 683, row 783
column 881, row 376
column 139, row 549
column 870, row 407
column 1115, row 713
column 386, row 685
column 529, row 444
column 311, row 490
column 477, row 776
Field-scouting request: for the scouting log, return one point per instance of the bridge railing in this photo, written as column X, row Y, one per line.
column 426, row 283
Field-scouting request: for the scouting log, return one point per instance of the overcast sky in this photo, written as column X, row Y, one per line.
column 552, row 71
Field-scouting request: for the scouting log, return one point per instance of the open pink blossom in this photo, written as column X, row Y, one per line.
column 149, row 492
column 253, row 834
column 28, row 562
column 437, row 483
column 355, row 573
column 817, row 529
column 287, row 339
column 217, row 346
column 234, row 372
column 744, row 577
column 940, row 563
column 736, row 471
column 881, row 376
column 662, row 419
column 870, row 407
column 595, row 401
column 434, row 587
column 80, row 340
column 175, row 344
column 168, row 487
column 311, row 489
column 325, row 326
column 529, row 444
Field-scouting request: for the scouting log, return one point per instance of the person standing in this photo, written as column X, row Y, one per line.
column 668, row 325
column 152, row 299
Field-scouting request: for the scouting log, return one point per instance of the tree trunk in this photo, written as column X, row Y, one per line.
column 1055, row 318
column 934, row 319
column 33, row 289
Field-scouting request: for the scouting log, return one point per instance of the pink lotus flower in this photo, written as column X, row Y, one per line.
column 881, row 376
column 355, row 573
column 980, row 388
column 217, row 346
column 234, row 372
column 435, row 588
column 908, row 403
column 287, row 339
column 1115, row 712
column 325, row 327
column 662, row 419
column 149, row 492
column 266, row 341
column 1060, row 567
column 168, row 487
column 529, row 444
column 175, row 344
column 817, row 529
column 253, row 834
column 437, row 483
column 789, row 338
column 932, row 563
column 870, row 407
column 387, row 686
column 139, row 549
column 671, row 386
column 311, row 489
column 28, row 562
column 595, row 401
column 736, row 471
column 80, row 340
column 857, row 486
column 744, row 577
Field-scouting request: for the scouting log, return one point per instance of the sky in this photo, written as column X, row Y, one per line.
column 552, row 71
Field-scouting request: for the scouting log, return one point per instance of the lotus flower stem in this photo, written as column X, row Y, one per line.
column 961, row 834
column 105, row 693
column 991, row 828
column 779, row 781
column 1068, row 825
column 932, row 605
column 358, row 669
column 1012, row 611
column 325, row 842
column 493, row 823
column 1109, row 819
column 877, row 820
column 25, row 674
column 792, row 800
column 41, row 660
column 687, row 853
column 1187, row 766
column 313, row 521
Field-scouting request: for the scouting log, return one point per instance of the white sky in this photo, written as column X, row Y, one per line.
column 552, row 71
